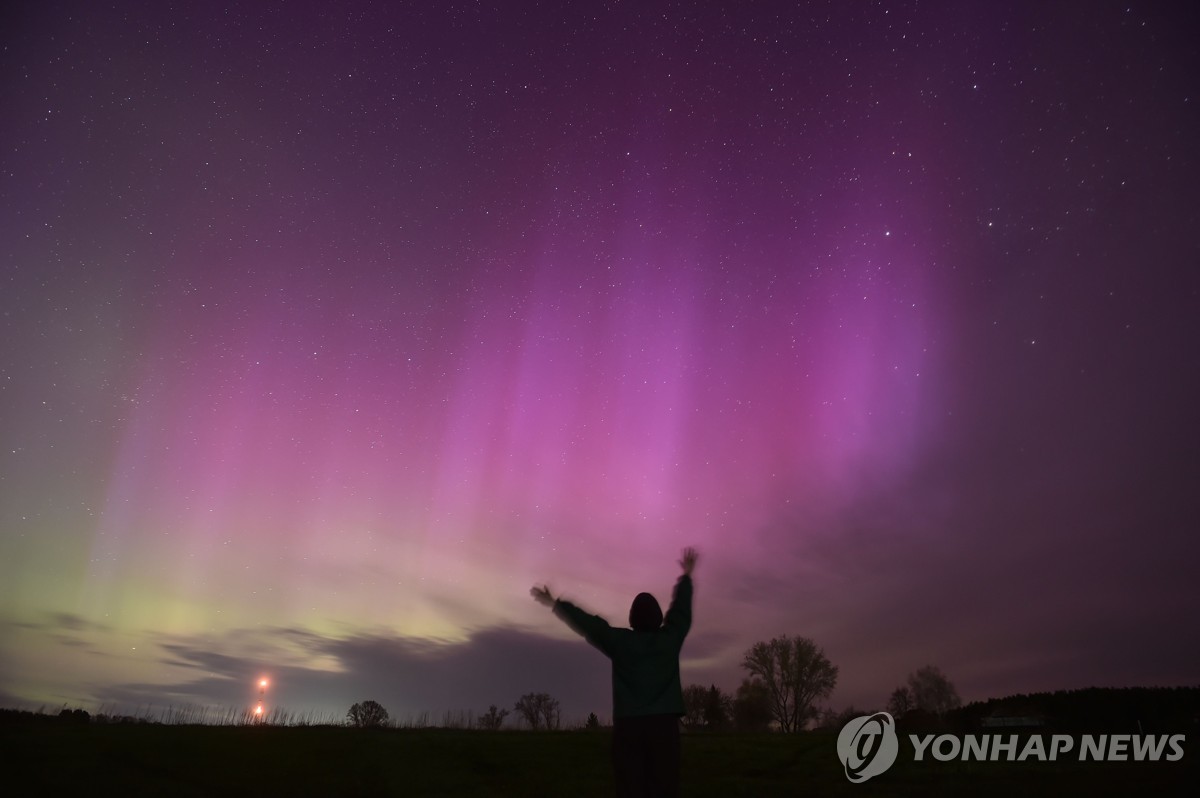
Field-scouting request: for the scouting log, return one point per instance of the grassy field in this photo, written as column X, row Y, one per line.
column 138, row 760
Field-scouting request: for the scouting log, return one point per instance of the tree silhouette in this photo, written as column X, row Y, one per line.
column 593, row 722
column 694, row 698
column 831, row 719
column 718, row 708
column 706, row 707
column 932, row 692
column 493, row 719
column 752, row 706
column 367, row 715
column 900, row 702
column 795, row 674
column 539, row 710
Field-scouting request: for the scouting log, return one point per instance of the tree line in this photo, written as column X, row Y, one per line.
column 787, row 678
column 539, row 711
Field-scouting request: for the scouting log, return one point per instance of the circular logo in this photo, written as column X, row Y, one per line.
column 868, row 746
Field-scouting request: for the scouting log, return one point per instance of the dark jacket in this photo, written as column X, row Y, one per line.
column 645, row 665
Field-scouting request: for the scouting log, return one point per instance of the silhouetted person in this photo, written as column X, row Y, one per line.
column 647, row 694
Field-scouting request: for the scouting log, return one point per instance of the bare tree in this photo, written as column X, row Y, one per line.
column 694, row 698
column 493, row 719
column 526, row 707
column 367, row 715
column 795, row 673
column 539, row 710
column 550, row 712
column 932, row 692
column 900, row 702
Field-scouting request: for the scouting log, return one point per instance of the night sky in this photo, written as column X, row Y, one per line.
column 328, row 329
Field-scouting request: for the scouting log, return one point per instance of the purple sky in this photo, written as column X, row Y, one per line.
column 329, row 329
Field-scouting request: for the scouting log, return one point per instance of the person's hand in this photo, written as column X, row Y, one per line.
column 542, row 595
column 689, row 560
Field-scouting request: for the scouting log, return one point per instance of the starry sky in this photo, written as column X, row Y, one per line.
column 328, row 329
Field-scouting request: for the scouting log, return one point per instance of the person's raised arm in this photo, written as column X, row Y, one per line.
column 679, row 615
column 542, row 595
column 690, row 556
column 594, row 628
